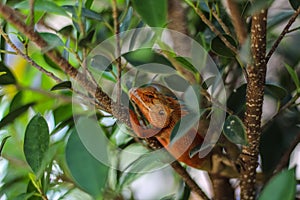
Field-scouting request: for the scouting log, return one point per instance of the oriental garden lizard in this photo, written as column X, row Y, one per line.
column 156, row 113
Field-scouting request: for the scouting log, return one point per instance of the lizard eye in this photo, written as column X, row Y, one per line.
column 161, row 112
column 150, row 96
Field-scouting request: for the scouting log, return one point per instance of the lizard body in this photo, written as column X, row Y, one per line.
column 156, row 114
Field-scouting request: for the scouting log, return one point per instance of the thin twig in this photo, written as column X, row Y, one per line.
column 27, row 58
column 118, row 50
column 11, row 16
column 283, row 108
column 282, row 34
column 293, row 29
column 31, row 16
column 188, row 180
column 211, row 26
column 220, row 21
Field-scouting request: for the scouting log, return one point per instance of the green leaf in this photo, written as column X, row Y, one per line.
column 218, row 46
column 184, row 125
column 31, row 189
column 176, row 82
column 294, row 75
column 16, row 102
column 237, row 100
column 62, row 113
column 186, row 64
column 153, row 12
column 51, row 63
column 144, row 163
column 2, row 73
column 3, row 143
column 192, row 97
column 43, row 5
column 275, row 91
column 53, row 41
column 101, row 63
column 279, row 18
column 124, row 25
column 234, row 130
column 8, row 77
column 62, row 86
column 88, row 173
column 295, row 4
column 146, row 57
column 84, row 12
column 281, row 186
column 36, row 142
column 10, row 117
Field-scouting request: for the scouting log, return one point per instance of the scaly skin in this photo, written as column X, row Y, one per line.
column 160, row 113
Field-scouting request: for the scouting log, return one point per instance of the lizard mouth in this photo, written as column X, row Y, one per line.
column 142, row 119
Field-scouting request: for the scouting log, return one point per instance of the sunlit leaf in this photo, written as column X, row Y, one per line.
column 88, row 172
column 234, row 130
column 3, row 143
column 43, row 5
column 219, row 47
column 153, row 12
column 186, row 64
column 10, row 117
column 62, row 86
column 62, row 113
column 31, row 189
column 281, row 186
column 36, row 142
column 2, row 73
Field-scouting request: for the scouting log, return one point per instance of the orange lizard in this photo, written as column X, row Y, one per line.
column 160, row 113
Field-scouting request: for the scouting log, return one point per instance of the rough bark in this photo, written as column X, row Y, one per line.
column 254, row 101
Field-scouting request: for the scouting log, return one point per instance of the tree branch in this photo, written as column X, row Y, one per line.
column 237, row 21
column 121, row 113
column 282, row 34
column 118, row 53
column 11, row 16
column 188, row 180
column 27, row 58
column 254, row 101
column 212, row 27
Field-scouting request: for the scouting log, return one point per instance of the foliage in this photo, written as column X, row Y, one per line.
column 43, row 154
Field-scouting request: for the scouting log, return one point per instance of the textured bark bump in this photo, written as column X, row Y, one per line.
column 254, row 101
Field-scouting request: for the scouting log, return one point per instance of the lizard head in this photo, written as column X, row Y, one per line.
column 152, row 105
